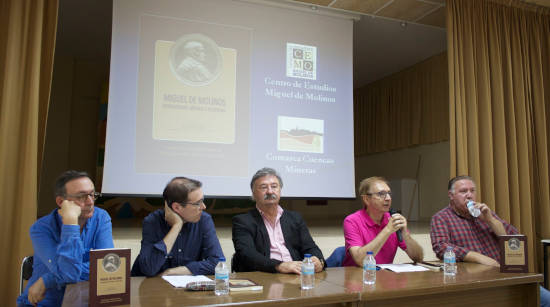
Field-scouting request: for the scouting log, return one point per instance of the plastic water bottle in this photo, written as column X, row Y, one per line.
column 308, row 273
column 475, row 212
column 222, row 278
column 369, row 269
column 449, row 262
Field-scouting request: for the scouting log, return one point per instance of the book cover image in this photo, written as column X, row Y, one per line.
column 513, row 254
column 110, row 277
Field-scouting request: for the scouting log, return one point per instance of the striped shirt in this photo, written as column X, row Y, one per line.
column 465, row 234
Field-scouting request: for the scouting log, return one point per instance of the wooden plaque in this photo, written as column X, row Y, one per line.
column 513, row 254
column 110, row 277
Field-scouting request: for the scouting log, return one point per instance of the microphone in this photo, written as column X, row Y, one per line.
column 398, row 233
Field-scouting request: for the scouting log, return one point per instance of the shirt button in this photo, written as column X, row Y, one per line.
column 179, row 250
column 50, row 260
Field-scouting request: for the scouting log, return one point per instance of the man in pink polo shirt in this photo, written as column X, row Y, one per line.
column 270, row 238
column 372, row 228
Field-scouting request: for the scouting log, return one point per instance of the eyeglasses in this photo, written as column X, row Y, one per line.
column 82, row 197
column 198, row 203
column 381, row 194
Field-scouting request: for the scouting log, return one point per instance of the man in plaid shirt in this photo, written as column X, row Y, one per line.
column 472, row 239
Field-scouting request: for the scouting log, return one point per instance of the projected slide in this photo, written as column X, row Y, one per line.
column 216, row 89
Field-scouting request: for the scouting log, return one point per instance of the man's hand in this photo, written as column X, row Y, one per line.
column 171, row 217
column 69, row 212
column 486, row 214
column 180, row 270
column 37, row 291
column 290, row 267
column 481, row 259
column 396, row 222
column 318, row 264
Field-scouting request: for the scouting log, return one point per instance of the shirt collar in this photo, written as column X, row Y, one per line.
column 455, row 212
column 279, row 212
column 371, row 223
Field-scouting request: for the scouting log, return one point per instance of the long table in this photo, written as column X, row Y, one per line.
column 474, row 285
column 278, row 289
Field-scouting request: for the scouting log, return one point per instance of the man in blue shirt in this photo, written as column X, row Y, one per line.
column 181, row 239
column 62, row 240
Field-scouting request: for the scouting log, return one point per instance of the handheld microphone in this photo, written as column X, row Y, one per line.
column 398, row 233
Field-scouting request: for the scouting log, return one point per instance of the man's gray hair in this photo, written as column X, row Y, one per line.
column 266, row 171
column 452, row 182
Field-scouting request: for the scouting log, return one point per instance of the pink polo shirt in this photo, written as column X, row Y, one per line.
column 277, row 248
column 360, row 229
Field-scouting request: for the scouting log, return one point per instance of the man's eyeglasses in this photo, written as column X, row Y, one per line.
column 381, row 194
column 198, row 203
column 82, row 197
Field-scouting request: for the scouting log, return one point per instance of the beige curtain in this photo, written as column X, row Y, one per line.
column 405, row 109
column 26, row 55
column 499, row 97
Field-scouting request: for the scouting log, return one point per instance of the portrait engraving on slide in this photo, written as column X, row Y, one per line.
column 301, row 61
column 190, row 106
column 195, row 59
column 194, row 92
column 300, row 134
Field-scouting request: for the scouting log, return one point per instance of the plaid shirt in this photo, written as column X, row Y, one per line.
column 465, row 235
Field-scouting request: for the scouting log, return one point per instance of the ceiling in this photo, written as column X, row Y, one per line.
column 425, row 12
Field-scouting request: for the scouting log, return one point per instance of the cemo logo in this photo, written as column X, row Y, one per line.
column 301, row 61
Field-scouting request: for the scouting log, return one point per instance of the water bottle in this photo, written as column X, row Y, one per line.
column 369, row 269
column 222, row 278
column 308, row 273
column 475, row 212
column 449, row 262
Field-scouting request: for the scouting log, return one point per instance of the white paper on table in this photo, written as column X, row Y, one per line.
column 404, row 267
column 181, row 281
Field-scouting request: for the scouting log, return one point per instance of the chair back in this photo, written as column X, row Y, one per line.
column 234, row 263
column 26, row 271
column 337, row 257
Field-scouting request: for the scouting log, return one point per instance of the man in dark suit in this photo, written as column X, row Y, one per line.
column 269, row 238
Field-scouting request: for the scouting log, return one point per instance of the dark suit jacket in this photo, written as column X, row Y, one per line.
column 252, row 245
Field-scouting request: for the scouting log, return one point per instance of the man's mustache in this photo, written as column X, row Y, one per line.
column 270, row 196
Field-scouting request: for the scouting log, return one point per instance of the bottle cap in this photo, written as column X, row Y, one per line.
column 369, row 253
column 222, row 259
column 307, row 255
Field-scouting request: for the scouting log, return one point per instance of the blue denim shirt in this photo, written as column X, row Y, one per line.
column 61, row 252
column 197, row 247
